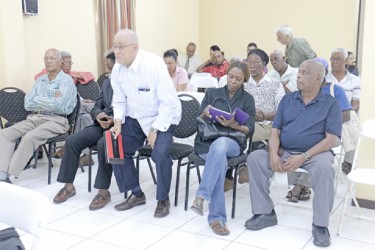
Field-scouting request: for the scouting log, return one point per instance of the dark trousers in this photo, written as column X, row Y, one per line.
column 74, row 145
column 133, row 138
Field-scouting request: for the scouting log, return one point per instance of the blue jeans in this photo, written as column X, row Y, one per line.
column 211, row 187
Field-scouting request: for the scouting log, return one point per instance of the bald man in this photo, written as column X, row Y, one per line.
column 283, row 72
column 306, row 127
column 145, row 105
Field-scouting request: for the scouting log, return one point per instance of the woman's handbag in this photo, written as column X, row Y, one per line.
column 210, row 130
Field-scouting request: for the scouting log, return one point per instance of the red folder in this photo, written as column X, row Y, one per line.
column 114, row 152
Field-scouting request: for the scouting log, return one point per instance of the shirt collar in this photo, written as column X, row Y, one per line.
column 135, row 64
column 319, row 97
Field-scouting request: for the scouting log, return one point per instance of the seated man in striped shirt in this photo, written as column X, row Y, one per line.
column 52, row 98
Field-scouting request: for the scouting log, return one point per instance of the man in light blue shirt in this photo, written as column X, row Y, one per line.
column 145, row 105
column 52, row 98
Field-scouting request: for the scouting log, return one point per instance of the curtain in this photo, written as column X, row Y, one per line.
column 112, row 16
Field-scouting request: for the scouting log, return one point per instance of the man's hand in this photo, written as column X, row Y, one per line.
column 106, row 122
column 116, row 129
column 293, row 162
column 276, row 163
column 259, row 115
column 151, row 138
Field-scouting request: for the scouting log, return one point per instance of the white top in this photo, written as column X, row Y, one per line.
column 194, row 63
column 145, row 92
column 350, row 83
column 290, row 76
column 267, row 94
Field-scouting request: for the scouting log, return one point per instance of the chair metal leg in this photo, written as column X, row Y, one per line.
column 344, row 208
column 151, row 170
column 49, row 154
column 90, row 155
column 199, row 174
column 177, row 183
column 137, row 165
column 187, row 186
column 234, row 192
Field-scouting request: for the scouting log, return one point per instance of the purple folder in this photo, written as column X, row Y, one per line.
column 218, row 112
column 240, row 116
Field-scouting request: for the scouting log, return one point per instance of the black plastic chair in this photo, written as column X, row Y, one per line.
column 72, row 118
column 88, row 91
column 12, row 106
column 233, row 163
column 102, row 78
column 186, row 128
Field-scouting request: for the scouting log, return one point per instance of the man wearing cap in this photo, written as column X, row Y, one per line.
column 306, row 127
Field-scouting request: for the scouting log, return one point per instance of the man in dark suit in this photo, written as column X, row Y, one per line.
column 90, row 136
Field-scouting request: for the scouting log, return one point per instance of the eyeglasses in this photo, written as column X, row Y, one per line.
column 46, row 58
column 255, row 63
column 67, row 63
column 336, row 59
column 121, row 47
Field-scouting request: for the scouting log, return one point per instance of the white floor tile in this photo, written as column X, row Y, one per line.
column 185, row 240
column 133, row 234
column 238, row 246
column 84, row 223
column 96, row 245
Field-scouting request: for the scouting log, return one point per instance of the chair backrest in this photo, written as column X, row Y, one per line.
column 204, row 82
column 101, row 79
column 90, row 90
column 190, row 110
column 24, row 209
column 73, row 117
column 223, row 81
column 12, row 105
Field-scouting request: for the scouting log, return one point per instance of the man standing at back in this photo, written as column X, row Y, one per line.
column 306, row 127
column 145, row 105
column 190, row 61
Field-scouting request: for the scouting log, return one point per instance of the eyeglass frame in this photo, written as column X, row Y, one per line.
column 67, row 63
column 121, row 47
column 254, row 63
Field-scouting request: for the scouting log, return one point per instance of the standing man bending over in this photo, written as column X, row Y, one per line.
column 52, row 98
column 145, row 105
column 306, row 126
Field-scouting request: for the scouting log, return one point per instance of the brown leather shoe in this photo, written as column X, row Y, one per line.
column 242, row 175
column 228, row 184
column 63, row 195
column 59, row 153
column 131, row 202
column 85, row 160
column 100, row 201
column 162, row 209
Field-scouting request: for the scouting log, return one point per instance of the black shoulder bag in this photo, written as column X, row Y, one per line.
column 210, row 131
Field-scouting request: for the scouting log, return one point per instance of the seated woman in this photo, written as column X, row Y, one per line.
column 215, row 152
column 178, row 74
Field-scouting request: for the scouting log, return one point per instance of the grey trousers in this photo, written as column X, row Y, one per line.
column 322, row 181
column 35, row 131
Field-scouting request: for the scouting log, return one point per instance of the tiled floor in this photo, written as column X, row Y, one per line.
column 73, row 226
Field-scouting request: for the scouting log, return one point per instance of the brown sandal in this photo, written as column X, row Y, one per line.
column 219, row 228
column 305, row 194
column 198, row 205
column 294, row 194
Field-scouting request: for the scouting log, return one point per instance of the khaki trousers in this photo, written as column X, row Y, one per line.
column 34, row 131
column 262, row 131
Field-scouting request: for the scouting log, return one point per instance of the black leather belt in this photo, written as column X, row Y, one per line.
column 49, row 113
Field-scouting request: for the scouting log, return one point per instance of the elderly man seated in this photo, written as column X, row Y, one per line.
column 306, row 127
column 283, row 72
column 52, row 98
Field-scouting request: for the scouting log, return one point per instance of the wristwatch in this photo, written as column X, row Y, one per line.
column 154, row 130
column 307, row 156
